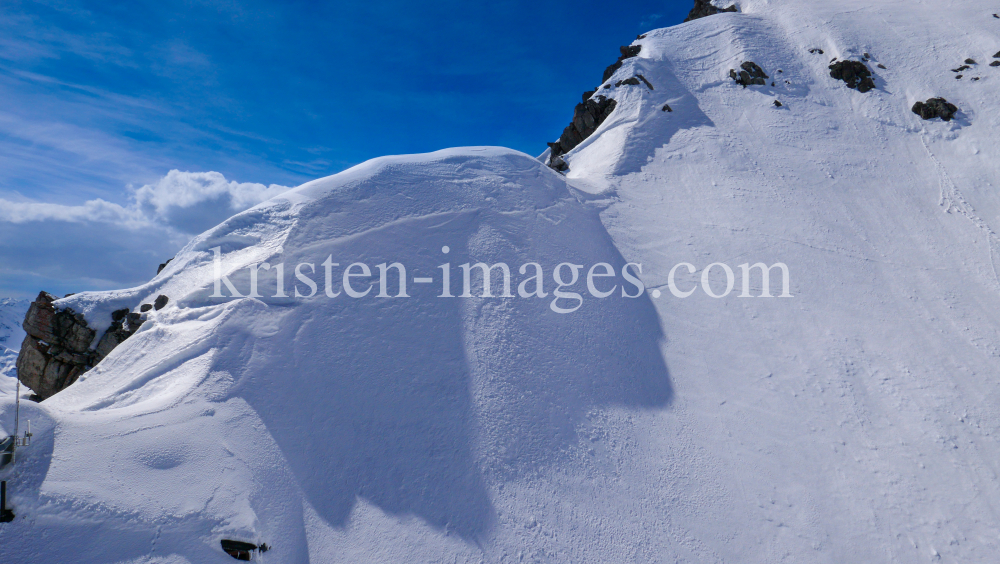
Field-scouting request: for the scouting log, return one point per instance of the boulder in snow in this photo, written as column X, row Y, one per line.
column 855, row 73
column 751, row 73
column 935, row 107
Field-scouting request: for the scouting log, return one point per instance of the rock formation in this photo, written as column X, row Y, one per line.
column 935, row 107
column 855, row 73
column 751, row 73
column 587, row 117
column 628, row 51
column 703, row 8
column 56, row 350
column 164, row 265
column 123, row 325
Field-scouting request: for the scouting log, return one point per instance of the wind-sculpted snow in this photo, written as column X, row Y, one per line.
column 227, row 418
column 853, row 422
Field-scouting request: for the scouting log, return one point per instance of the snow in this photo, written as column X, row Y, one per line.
column 11, row 336
column 855, row 422
column 11, row 315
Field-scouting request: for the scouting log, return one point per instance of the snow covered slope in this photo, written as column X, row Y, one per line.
column 11, row 315
column 11, row 335
column 854, row 422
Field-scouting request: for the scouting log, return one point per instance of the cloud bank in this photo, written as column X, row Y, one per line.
column 100, row 244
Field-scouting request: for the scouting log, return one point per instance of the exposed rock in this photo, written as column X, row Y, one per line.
column 667, row 108
column 164, row 265
column 777, row 104
column 975, row 78
column 640, row 36
column 703, row 8
column 124, row 324
column 160, row 302
column 881, row 66
column 961, row 68
column 587, row 117
column 855, row 73
column 750, row 74
column 145, row 307
column 56, row 349
column 970, row 61
column 997, row 56
column 816, row 50
column 935, row 107
column 628, row 51
column 995, row 64
column 634, row 81
column 958, row 77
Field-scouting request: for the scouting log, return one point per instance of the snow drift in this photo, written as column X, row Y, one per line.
column 855, row 422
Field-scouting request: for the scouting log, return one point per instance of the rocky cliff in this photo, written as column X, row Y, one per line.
column 57, row 348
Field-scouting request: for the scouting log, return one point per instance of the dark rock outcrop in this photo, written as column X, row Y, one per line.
column 164, row 265
column 160, row 302
column 628, row 51
column 935, row 107
column 704, row 8
column 667, row 108
column 124, row 324
column 56, row 350
column 855, row 73
column 995, row 64
column 634, row 81
column 587, row 117
column 816, row 50
column 970, row 61
column 750, row 74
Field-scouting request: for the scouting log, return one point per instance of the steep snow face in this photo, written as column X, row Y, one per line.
column 853, row 422
column 857, row 421
column 275, row 419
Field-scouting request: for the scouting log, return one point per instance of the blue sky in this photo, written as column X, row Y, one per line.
column 101, row 100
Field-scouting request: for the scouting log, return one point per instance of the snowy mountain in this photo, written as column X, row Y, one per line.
column 11, row 334
column 854, row 421
column 11, row 314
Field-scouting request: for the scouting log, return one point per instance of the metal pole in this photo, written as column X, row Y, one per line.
column 17, row 422
column 6, row 515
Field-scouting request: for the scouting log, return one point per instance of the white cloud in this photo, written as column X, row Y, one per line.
column 189, row 202
column 102, row 244
column 93, row 211
column 194, row 201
